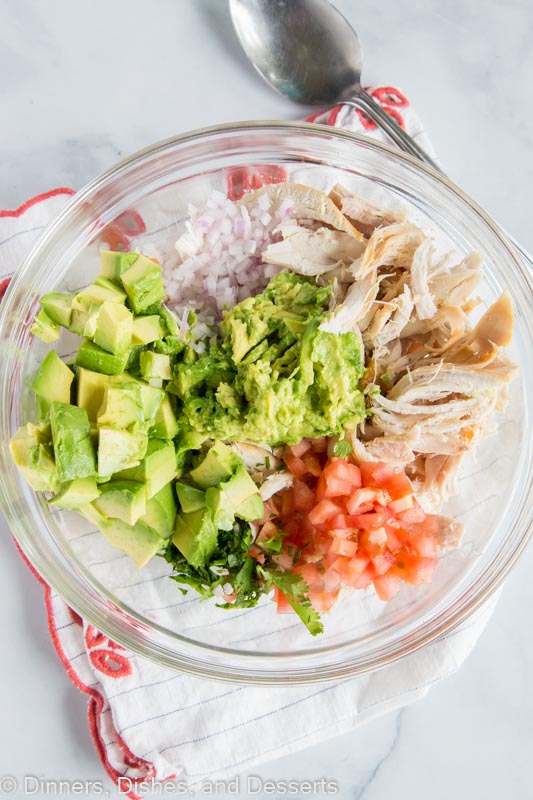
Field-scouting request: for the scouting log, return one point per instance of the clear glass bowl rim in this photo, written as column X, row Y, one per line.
column 129, row 630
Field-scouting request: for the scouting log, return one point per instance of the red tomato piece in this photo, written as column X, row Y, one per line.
column 322, row 601
column 303, row 497
column 423, row 546
column 283, row 606
column 402, row 504
column 341, row 521
column 312, row 464
column 359, row 500
column 323, row 511
column 295, row 464
column 414, row 514
column 387, row 586
column 287, row 503
column 335, row 487
column 373, row 473
column 310, row 573
column 299, row 449
column 371, row 520
column 415, row 570
column 397, row 485
column 383, row 562
column 343, row 547
column 321, row 488
column 394, row 543
column 319, row 445
column 365, row 578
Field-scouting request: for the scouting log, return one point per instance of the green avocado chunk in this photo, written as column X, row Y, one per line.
column 161, row 512
column 114, row 264
column 95, row 358
column 190, row 498
column 58, row 306
column 45, row 328
column 165, row 424
column 113, row 328
column 34, row 457
column 146, row 330
column 250, row 509
column 218, row 465
column 157, row 468
column 125, row 500
column 143, row 282
column 155, row 365
column 119, row 449
column 121, row 406
column 224, row 500
column 139, row 541
column 196, row 536
column 71, row 437
column 53, row 379
column 77, row 493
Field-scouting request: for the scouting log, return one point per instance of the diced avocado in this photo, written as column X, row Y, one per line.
column 58, row 306
column 99, row 292
column 89, row 329
column 89, row 512
column 125, row 500
column 146, row 329
column 93, row 357
column 143, row 282
column 82, row 311
column 139, row 541
column 250, row 509
column 73, row 447
column 190, row 498
column 53, row 379
column 45, row 328
column 90, row 390
column 196, row 536
column 114, row 264
column 224, row 499
column 43, row 407
column 77, row 493
column 121, row 406
column 34, row 459
column 169, row 321
column 151, row 399
column 113, row 328
column 165, row 423
column 219, row 464
column 156, row 469
column 155, row 365
column 119, row 449
column 161, row 512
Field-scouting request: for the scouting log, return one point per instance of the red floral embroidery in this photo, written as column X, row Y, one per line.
column 390, row 99
column 104, row 655
column 3, row 286
column 244, row 179
column 126, row 226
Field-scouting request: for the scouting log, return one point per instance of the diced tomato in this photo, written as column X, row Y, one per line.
column 302, row 447
column 312, row 464
column 321, row 488
column 320, row 600
column 303, row 497
column 414, row 514
column 319, row 445
column 336, row 487
column 340, row 521
column 343, row 547
column 397, row 485
column 365, row 578
column 332, row 579
column 383, row 562
column 287, row 503
column 294, row 464
column 268, row 530
column 283, row 605
column 374, row 473
column 323, row 512
column 283, row 560
column 310, row 573
column 423, row 546
column 387, row 586
column 360, row 501
column 430, row 525
column 415, row 570
column 373, row 519
column 394, row 543
column 402, row 504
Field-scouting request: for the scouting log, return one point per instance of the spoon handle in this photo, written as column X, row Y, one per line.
column 391, row 127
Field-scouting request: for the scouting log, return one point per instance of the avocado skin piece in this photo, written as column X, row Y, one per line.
column 146, row 330
column 58, row 306
column 34, row 458
column 190, row 498
column 139, row 541
column 114, row 325
column 125, row 500
column 196, row 536
column 77, row 493
column 143, row 282
column 161, row 512
column 71, row 436
column 95, row 358
column 53, row 379
column 45, row 328
column 218, row 465
column 113, row 264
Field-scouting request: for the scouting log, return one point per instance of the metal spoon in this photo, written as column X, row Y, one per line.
column 306, row 50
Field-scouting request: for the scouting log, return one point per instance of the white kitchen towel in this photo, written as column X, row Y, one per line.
column 152, row 724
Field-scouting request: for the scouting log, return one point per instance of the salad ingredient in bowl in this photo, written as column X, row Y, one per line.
column 299, row 426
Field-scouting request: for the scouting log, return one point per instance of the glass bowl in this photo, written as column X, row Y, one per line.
column 142, row 203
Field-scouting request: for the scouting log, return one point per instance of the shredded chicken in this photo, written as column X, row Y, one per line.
column 256, row 458
column 313, row 252
column 275, row 483
column 366, row 216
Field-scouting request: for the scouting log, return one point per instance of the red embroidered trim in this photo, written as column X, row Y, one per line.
column 34, row 200
column 246, row 179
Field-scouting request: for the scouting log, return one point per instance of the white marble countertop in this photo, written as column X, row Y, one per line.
column 86, row 83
